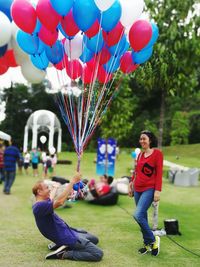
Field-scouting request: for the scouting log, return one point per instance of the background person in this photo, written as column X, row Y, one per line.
column 27, row 159
column 71, row 245
column 35, row 158
column 146, row 185
column 11, row 155
column 1, row 163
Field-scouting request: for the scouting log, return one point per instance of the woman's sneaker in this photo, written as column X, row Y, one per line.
column 155, row 247
column 145, row 249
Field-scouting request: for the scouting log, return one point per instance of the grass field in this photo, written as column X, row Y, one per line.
column 23, row 246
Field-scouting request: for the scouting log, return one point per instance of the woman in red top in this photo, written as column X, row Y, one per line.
column 146, row 186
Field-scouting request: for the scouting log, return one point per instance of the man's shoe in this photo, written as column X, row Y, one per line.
column 52, row 246
column 155, row 247
column 145, row 249
column 57, row 254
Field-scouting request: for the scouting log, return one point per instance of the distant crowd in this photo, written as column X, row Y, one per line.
column 11, row 157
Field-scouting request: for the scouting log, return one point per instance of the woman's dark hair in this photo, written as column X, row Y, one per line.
column 152, row 138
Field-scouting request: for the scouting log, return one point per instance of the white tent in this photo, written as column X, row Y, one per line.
column 43, row 121
column 5, row 136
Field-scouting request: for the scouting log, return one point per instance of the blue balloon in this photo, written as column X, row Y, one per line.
column 55, row 53
column 112, row 65
column 27, row 42
column 41, row 47
column 111, row 17
column 40, row 61
column 62, row 7
column 142, row 56
column 85, row 13
column 134, row 154
column 118, row 49
column 3, row 50
column 5, row 6
column 87, row 55
column 154, row 37
column 96, row 43
column 78, row 186
column 37, row 27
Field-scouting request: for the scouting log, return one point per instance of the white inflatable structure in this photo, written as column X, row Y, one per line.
column 42, row 121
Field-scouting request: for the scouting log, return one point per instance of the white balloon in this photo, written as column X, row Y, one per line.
column 31, row 73
column 52, row 150
column 104, row 4
column 137, row 151
column 131, row 10
column 74, row 47
column 20, row 56
column 6, row 29
column 43, row 139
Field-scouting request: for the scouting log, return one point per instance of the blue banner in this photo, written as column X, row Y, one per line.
column 106, row 155
column 111, row 156
column 101, row 157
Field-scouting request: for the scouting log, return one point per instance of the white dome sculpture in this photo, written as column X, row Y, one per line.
column 43, row 121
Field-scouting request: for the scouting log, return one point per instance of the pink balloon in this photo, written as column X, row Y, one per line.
column 47, row 15
column 24, row 15
column 69, row 25
column 104, row 56
column 48, row 37
column 87, row 75
column 140, row 34
column 126, row 63
column 111, row 38
column 93, row 30
column 103, row 76
column 74, row 69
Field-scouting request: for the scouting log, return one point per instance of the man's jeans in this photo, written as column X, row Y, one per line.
column 143, row 201
column 1, row 174
column 9, row 179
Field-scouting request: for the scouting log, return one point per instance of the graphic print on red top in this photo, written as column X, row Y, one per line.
column 148, row 172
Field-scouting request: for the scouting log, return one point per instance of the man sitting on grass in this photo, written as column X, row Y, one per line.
column 71, row 244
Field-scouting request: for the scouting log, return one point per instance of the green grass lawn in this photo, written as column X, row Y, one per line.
column 23, row 245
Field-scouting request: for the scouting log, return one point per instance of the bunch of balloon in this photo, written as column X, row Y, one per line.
column 88, row 42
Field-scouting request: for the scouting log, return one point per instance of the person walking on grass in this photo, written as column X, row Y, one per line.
column 146, row 186
column 11, row 156
column 71, row 245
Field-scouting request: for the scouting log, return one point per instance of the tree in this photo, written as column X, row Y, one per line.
column 174, row 67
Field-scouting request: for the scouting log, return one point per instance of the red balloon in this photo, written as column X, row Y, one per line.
column 93, row 30
column 24, row 15
column 48, row 37
column 111, row 38
column 140, row 34
column 62, row 64
column 92, row 64
column 104, row 56
column 69, row 25
column 103, row 76
column 74, row 69
column 47, row 15
column 10, row 57
column 87, row 75
column 3, row 65
column 126, row 63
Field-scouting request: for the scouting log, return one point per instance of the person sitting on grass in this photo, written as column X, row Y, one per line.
column 71, row 244
column 98, row 189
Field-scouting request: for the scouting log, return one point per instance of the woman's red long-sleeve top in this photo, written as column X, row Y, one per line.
column 148, row 172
